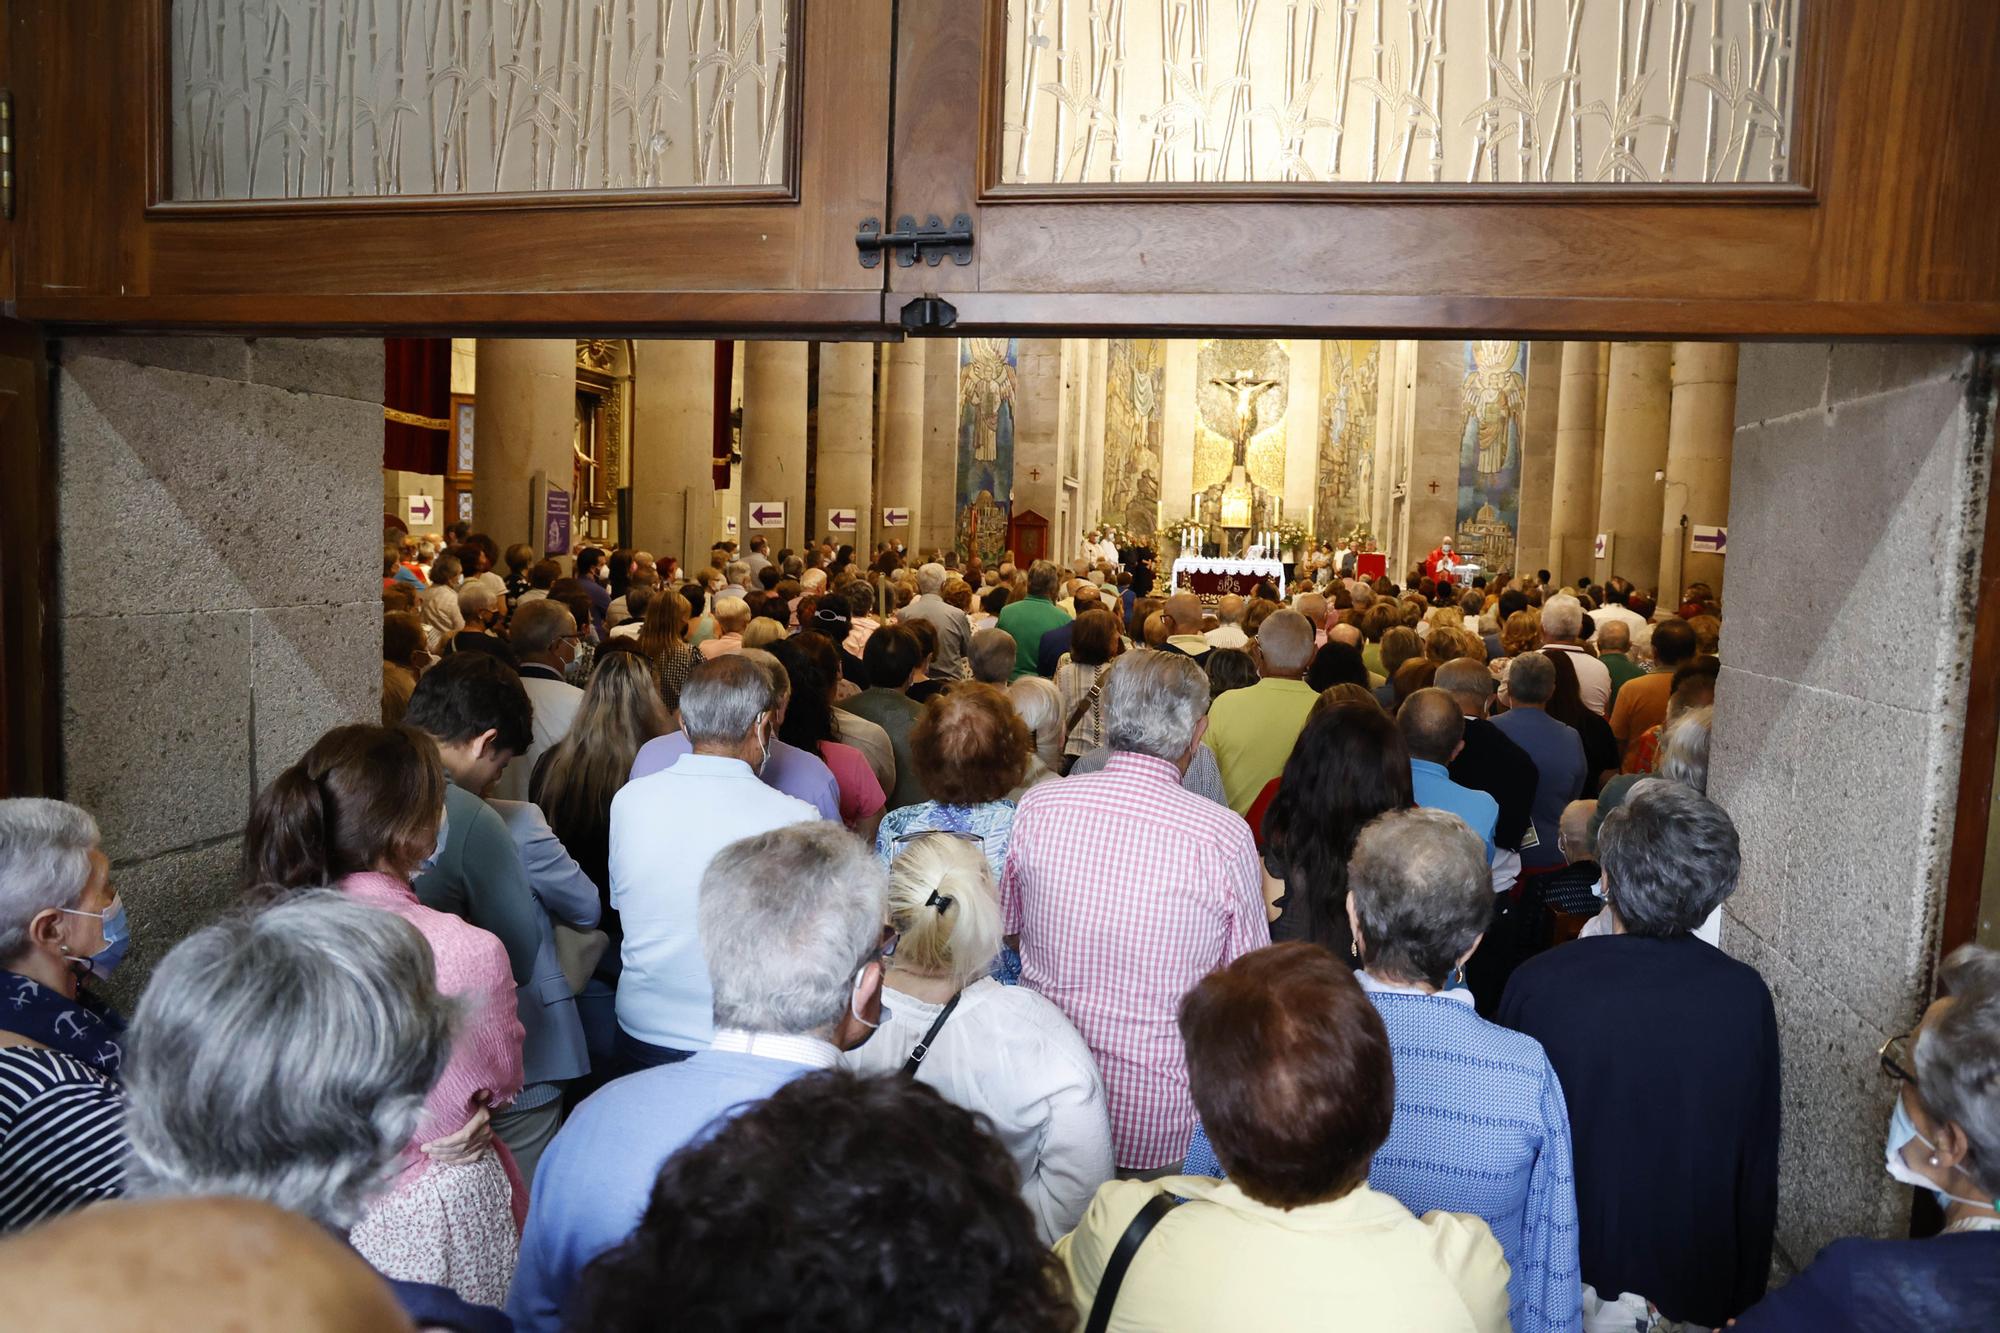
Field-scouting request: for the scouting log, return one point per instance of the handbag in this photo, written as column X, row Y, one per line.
column 1113, row 1277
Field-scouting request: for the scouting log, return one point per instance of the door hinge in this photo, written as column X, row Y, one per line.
column 930, row 242
column 7, row 155
column 928, row 314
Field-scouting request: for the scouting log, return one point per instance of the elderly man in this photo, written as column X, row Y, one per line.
column 791, row 770
column 1252, row 730
column 954, row 628
column 1433, row 732
column 544, row 638
column 483, row 612
column 1487, row 761
column 1351, row 635
column 791, row 947
column 665, row 829
column 992, row 657
column 1183, row 615
column 1228, row 632
column 1614, row 649
column 1562, row 632
column 732, row 617
column 1033, row 616
column 735, row 579
column 759, row 557
column 1056, row 642
column 1125, row 890
column 1555, row 748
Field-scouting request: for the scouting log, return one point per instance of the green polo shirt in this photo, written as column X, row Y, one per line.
column 1028, row 620
column 1622, row 669
column 1252, row 732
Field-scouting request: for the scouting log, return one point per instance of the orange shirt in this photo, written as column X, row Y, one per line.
column 1641, row 706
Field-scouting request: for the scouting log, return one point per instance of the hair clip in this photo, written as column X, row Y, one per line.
column 939, row 901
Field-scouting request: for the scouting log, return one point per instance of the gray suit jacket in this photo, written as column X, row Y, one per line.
column 954, row 633
column 553, row 1049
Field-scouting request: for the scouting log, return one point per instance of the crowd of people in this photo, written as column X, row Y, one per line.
column 804, row 941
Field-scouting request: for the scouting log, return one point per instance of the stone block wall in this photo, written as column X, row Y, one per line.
column 1857, row 511
column 220, row 604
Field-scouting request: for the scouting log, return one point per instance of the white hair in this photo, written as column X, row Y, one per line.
column 723, row 698
column 1153, row 701
column 1684, row 748
column 474, row 599
column 730, row 610
column 931, row 578
column 737, row 572
column 1039, row 705
column 284, row 1055
column 1562, row 617
column 45, row 851
column 786, row 920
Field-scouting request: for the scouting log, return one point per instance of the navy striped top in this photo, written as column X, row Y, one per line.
column 62, row 1136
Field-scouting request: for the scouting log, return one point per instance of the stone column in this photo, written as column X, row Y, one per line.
column 1699, row 438
column 673, row 441
column 526, row 423
column 1636, row 411
column 1842, row 715
column 1095, row 386
column 1302, row 404
column 899, row 446
column 1391, row 465
column 940, row 467
column 774, row 438
column 237, row 622
column 1437, row 431
column 1038, row 434
column 844, row 469
column 1578, row 453
column 1178, row 415
column 1538, row 455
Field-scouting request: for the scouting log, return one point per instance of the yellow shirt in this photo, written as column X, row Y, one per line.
column 1224, row 1263
column 1252, row 731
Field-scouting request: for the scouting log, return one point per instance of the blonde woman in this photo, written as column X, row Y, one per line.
column 1002, row 1051
column 663, row 642
column 763, row 631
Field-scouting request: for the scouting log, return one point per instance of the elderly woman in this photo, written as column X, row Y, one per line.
column 60, row 1047
column 1292, row 1071
column 1079, row 679
column 1662, row 1040
column 1002, row 1051
column 439, row 602
column 1481, row 1126
column 1040, row 707
column 1944, row 1136
column 335, row 1033
column 363, row 810
column 970, row 748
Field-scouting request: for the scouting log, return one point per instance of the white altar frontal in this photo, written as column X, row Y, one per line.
column 1213, row 577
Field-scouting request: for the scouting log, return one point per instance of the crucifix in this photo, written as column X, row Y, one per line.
column 1434, row 488
column 1244, row 388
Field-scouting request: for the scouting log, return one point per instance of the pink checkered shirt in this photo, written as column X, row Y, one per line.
column 1126, row 890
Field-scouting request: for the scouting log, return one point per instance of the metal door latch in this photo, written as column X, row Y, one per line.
column 931, row 242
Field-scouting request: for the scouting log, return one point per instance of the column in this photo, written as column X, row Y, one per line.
column 1637, row 398
column 939, row 511
column 1700, row 432
column 1038, row 434
column 1438, row 431
column 1538, row 455
column 845, row 466
column 899, row 445
column 1302, row 432
column 1095, row 383
column 1391, row 446
column 1578, row 453
column 526, row 424
column 1177, row 422
column 673, row 414
column 774, row 439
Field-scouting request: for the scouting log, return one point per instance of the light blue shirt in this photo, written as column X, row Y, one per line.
column 665, row 829
column 594, row 1181
column 1433, row 789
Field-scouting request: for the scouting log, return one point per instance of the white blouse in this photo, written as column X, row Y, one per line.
column 1010, row 1055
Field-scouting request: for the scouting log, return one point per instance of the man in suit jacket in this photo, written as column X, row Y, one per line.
column 1489, row 761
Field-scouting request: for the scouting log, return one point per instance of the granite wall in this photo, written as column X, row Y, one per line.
column 1857, row 507
column 220, row 603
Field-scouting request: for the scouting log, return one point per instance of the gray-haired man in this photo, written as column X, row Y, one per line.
column 954, row 629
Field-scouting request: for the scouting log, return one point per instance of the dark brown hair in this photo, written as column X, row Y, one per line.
column 1094, row 638
column 362, row 796
column 970, row 746
column 1289, row 1065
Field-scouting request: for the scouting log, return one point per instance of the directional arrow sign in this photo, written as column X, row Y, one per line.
column 1602, row 547
column 843, row 520
column 421, row 509
column 895, row 518
column 767, row 513
column 1712, row 539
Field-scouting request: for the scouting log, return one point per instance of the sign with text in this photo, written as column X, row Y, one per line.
column 767, row 513
column 555, row 521
column 843, row 520
column 422, row 509
column 1709, row 539
column 895, row 518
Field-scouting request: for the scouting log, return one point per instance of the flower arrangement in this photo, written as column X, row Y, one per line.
column 1293, row 536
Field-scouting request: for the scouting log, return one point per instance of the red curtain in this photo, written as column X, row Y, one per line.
column 416, row 401
column 725, row 438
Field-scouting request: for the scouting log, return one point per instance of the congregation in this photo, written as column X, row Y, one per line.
column 819, row 939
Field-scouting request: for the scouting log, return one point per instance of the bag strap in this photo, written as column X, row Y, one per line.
column 924, row 1046
column 1113, row 1277
column 1087, row 702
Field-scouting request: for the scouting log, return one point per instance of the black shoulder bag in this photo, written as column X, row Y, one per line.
column 1113, row 1278
column 924, row 1046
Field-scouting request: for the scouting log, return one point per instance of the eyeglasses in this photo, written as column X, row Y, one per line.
column 1895, row 1058
column 960, row 834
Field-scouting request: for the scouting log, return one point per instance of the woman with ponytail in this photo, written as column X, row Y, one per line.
column 362, row 811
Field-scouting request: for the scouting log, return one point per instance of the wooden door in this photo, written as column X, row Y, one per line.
column 500, row 165
column 29, row 739
column 1719, row 168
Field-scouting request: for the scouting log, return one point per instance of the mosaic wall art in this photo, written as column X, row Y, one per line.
column 1348, row 377
column 1135, row 384
column 1489, row 452
column 1215, row 447
column 988, row 377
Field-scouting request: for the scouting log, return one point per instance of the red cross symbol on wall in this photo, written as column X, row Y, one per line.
column 1434, row 488
column 1035, row 474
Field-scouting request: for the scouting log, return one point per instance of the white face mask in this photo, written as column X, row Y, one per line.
column 1902, row 1130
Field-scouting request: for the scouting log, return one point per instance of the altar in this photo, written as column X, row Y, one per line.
column 1214, row 577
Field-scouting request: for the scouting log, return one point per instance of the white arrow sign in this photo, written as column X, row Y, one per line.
column 767, row 513
column 895, row 518
column 1709, row 539
column 843, row 520
column 729, row 525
